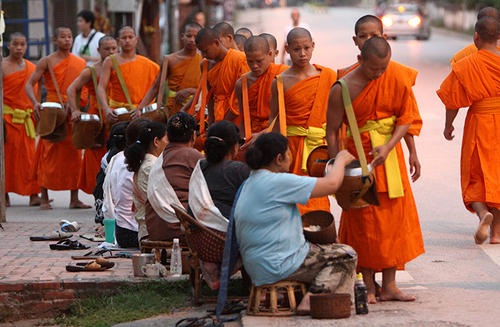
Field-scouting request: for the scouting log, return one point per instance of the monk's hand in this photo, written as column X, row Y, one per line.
column 415, row 167
column 380, row 153
column 111, row 116
column 36, row 110
column 75, row 115
column 344, row 157
column 135, row 114
column 251, row 141
column 182, row 95
column 448, row 132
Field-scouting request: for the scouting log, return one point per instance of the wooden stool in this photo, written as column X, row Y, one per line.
column 271, row 306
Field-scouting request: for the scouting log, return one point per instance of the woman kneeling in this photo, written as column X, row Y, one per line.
column 269, row 226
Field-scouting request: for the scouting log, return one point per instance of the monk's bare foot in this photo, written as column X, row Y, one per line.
column 481, row 234
column 45, row 205
column 304, row 307
column 371, row 298
column 395, row 294
column 78, row 205
column 35, row 200
column 378, row 288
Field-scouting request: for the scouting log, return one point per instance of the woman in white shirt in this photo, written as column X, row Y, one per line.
column 140, row 157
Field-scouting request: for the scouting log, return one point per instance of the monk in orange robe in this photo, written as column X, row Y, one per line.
column 306, row 88
column 365, row 28
column 225, row 34
column 474, row 82
column 139, row 74
column 258, row 86
column 223, row 69
column 91, row 157
column 19, row 127
column 388, row 236
column 57, row 163
column 273, row 44
column 472, row 48
column 183, row 73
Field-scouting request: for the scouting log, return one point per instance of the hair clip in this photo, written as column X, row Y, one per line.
column 138, row 142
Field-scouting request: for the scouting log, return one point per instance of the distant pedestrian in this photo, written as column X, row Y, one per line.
column 86, row 43
column 295, row 15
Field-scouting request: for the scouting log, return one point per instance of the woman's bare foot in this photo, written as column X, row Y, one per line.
column 481, row 234
column 78, row 205
column 395, row 294
column 304, row 307
column 35, row 200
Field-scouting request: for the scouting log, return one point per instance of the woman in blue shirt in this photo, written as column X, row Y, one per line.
column 269, row 226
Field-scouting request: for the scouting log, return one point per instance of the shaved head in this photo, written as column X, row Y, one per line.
column 240, row 41
column 298, row 33
column 245, row 32
column 271, row 40
column 60, row 29
column 224, row 29
column 12, row 36
column 376, row 46
column 192, row 25
column 487, row 28
column 124, row 28
column 206, row 35
column 488, row 12
column 106, row 38
column 368, row 19
column 256, row 43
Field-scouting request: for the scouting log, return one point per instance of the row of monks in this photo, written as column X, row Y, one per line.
column 303, row 102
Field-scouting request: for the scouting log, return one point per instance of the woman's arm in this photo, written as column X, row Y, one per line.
column 333, row 180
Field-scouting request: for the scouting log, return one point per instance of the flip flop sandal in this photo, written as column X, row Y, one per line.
column 90, row 266
column 92, row 238
column 67, row 226
column 230, row 308
column 93, row 255
column 206, row 321
column 54, row 236
column 68, row 245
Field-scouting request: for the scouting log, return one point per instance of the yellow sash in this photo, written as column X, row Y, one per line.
column 314, row 136
column 117, row 104
column 380, row 133
column 171, row 94
column 21, row 117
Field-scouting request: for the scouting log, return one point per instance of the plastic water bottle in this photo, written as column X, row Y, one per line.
column 360, row 295
column 176, row 259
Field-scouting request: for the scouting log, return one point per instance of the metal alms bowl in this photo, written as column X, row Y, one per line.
column 121, row 111
column 150, row 108
column 353, row 169
column 51, row 105
column 89, row 117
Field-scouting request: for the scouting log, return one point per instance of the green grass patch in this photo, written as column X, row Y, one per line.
column 127, row 303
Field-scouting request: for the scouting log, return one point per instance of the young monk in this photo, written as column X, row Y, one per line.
column 240, row 41
column 138, row 72
column 223, row 70
column 306, row 89
column 474, row 82
column 245, row 32
column 388, row 236
column 19, row 127
column 472, row 48
column 91, row 157
column 365, row 28
column 258, row 79
column 225, row 33
column 183, row 73
column 57, row 163
column 273, row 44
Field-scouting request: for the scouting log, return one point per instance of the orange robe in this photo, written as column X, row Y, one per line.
column 92, row 157
column 259, row 97
column 475, row 82
column 222, row 77
column 58, row 164
column 388, row 235
column 139, row 76
column 411, row 74
column 305, row 105
column 465, row 52
column 19, row 147
column 185, row 74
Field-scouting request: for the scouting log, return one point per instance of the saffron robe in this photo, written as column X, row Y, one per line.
column 139, row 76
column 411, row 74
column 222, row 77
column 58, row 164
column 259, row 97
column 475, row 82
column 465, row 52
column 19, row 147
column 305, row 106
column 388, row 235
column 185, row 74
column 92, row 157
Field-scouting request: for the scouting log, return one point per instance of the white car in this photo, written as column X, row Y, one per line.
column 406, row 20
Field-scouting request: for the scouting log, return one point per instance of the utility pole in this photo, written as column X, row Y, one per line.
column 173, row 19
column 2, row 141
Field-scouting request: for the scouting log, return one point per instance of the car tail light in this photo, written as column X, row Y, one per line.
column 415, row 21
column 387, row 21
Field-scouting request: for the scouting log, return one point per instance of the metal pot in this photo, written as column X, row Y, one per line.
column 139, row 261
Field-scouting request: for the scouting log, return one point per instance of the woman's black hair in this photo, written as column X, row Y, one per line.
column 135, row 153
column 180, row 128
column 265, row 149
column 116, row 138
column 221, row 138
